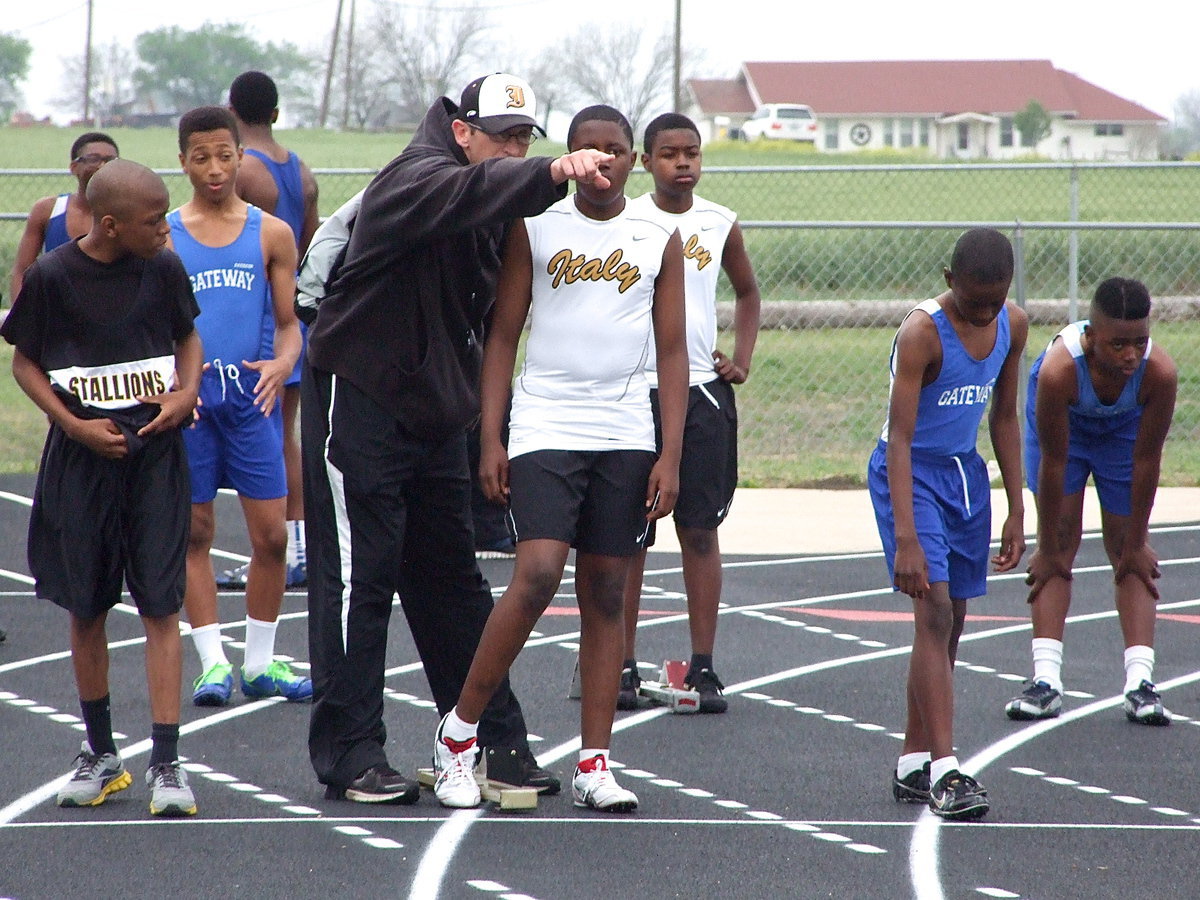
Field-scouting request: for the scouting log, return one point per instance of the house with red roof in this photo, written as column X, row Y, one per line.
column 954, row 109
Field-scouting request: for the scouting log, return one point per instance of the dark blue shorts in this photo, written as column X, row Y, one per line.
column 952, row 506
column 233, row 444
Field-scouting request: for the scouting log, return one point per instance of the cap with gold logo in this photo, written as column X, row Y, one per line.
column 498, row 102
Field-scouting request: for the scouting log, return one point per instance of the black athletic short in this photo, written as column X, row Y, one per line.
column 594, row 500
column 98, row 522
column 708, row 465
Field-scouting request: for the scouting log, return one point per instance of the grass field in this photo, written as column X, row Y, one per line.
column 809, row 415
column 793, row 263
column 816, row 399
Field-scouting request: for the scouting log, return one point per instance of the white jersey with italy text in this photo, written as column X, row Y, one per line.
column 583, row 383
column 703, row 229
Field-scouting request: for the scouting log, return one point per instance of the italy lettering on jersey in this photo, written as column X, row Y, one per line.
column 116, row 386
column 583, row 384
column 703, row 229
column 566, row 267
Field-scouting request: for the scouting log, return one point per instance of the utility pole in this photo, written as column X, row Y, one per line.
column 87, row 68
column 337, row 27
column 349, row 69
column 676, row 96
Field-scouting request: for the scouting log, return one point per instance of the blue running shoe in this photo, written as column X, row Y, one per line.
column 278, row 681
column 214, row 687
column 297, row 576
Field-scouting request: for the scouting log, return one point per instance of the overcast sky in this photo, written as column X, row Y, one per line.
column 1143, row 53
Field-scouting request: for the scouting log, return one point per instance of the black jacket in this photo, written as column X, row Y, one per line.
column 403, row 319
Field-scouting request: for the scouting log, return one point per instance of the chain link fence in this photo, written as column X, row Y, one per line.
column 842, row 251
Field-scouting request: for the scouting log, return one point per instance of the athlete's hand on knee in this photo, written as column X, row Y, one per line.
column 101, row 436
column 493, row 472
column 1141, row 563
column 582, row 165
column 911, row 570
column 1045, row 566
column 175, row 408
column 1012, row 544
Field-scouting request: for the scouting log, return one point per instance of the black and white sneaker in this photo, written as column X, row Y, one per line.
column 913, row 787
column 706, row 683
column 627, row 695
column 1037, row 701
column 958, row 796
column 1145, row 706
column 378, row 784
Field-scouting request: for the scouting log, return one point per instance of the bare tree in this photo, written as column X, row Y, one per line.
column 622, row 66
column 112, row 89
column 1185, row 136
column 427, row 51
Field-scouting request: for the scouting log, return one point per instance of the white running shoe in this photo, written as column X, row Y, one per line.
column 454, row 764
column 595, row 788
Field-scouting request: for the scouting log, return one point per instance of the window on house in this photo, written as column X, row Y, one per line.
column 906, row 132
column 889, row 132
column 1006, row 132
column 1111, row 129
column 923, row 128
column 831, row 133
column 964, row 136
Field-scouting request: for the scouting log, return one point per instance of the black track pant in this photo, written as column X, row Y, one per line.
column 386, row 514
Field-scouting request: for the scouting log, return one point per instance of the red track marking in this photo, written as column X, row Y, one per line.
column 574, row 611
column 879, row 615
column 1180, row 617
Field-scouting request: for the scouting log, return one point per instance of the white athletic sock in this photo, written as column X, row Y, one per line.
column 1139, row 666
column 296, row 555
column 939, row 767
column 207, row 639
column 260, row 647
column 586, row 754
column 1047, row 662
column 909, row 763
column 457, row 729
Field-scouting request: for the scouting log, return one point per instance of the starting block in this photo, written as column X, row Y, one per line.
column 499, row 776
column 668, row 691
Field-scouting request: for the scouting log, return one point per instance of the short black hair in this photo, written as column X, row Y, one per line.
column 91, row 137
column 599, row 113
column 667, row 122
column 254, row 97
column 206, row 118
column 983, row 254
column 1122, row 298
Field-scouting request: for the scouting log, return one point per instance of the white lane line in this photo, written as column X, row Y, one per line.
column 923, row 856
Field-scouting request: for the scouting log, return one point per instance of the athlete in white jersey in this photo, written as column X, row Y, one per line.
column 581, row 462
column 712, row 242
column 585, row 388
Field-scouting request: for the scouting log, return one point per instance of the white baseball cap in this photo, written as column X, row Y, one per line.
column 498, row 102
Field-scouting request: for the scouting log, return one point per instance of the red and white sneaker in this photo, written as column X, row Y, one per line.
column 454, row 764
column 595, row 788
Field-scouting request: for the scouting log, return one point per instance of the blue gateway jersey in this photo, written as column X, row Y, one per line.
column 231, row 287
column 951, row 407
column 1089, row 416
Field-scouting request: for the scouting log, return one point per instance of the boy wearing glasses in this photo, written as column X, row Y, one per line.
column 391, row 389
column 56, row 220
